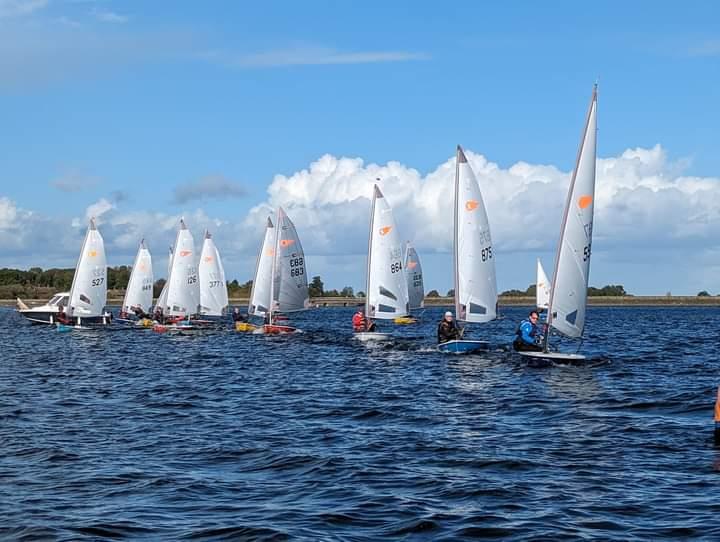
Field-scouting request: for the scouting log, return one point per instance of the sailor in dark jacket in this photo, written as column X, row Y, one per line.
column 447, row 330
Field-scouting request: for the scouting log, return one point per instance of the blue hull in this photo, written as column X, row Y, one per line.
column 463, row 347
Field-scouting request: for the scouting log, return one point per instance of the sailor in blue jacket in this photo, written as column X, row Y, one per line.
column 528, row 335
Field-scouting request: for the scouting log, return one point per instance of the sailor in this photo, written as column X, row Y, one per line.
column 447, row 330
column 61, row 316
column 158, row 315
column 360, row 323
column 237, row 316
column 139, row 312
column 527, row 335
column 717, row 419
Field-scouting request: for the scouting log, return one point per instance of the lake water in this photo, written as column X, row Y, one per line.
column 229, row 436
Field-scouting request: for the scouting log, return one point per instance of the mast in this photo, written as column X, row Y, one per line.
column 369, row 256
column 82, row 251
column 268, row 224
column 568, row 202
column 132, row 272
column 456, row 270
column 273, row 266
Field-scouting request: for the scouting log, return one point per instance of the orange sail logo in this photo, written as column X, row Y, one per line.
column 471, row 205
column 208, row 259
column 286, row 242
column 411, row 265
column 92, row 253
column 269, row 252
column 184, row 253
column 584, row 201
column 385, row 230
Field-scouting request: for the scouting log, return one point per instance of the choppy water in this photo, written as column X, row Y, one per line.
column 230, row 436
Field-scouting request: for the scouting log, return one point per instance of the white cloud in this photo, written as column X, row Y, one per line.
column 107, row 16
column 650, row 218
column 74, row 181
column 17, row 8
column 308, row 56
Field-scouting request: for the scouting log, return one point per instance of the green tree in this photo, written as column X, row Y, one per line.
column 316, row 287
column 703, row 293
column 451, row 293
column 433, row 293
column 347, row 292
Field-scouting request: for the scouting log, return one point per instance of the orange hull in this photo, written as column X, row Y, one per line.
column 276, row 329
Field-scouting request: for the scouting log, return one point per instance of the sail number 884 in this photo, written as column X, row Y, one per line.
column 296, row 267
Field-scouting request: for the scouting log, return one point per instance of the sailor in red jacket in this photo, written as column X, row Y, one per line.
column 360, row 323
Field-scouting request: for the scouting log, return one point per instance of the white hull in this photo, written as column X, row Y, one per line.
column 557, row 357
column 372, row 336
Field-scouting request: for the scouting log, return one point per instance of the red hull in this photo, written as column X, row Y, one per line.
column 277, row 329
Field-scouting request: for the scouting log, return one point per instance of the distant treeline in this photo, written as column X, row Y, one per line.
column 36, row 283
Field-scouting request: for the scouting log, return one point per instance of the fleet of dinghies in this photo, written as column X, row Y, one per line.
column 195, row 293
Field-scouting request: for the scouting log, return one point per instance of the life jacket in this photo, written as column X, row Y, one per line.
column 358, row 321
column 533, row 330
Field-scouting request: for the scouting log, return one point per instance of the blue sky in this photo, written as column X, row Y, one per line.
column 149, row 106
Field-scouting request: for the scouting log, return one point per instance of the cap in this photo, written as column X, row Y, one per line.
column 448, row 313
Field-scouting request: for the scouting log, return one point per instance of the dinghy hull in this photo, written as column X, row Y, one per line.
column 463, row 347
column 553, row 357
column 371, row 336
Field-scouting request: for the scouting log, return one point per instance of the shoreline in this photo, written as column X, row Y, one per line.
column 503, row 301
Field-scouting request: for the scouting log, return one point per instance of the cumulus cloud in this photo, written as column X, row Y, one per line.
column 641, row 198
column 208, row 187
column 645, row 205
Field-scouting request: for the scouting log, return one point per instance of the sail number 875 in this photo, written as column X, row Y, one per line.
column 486, row 254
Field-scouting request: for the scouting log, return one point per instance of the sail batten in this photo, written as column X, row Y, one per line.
column 387, row 288
column 568, row 294
column 474, row 262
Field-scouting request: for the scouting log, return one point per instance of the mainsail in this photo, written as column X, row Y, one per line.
column 387, row 290
column 88, row 293
column 183, row 294
column 213, row 288
column 290, row 285
column 260, row 293
column 568, row 295
column 162, row 299
column 475, row 283
column 542, row 288
column 414, row 276
column 139, row 292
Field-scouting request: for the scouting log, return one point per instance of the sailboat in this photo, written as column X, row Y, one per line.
column 162, row 298
column 474, row 264
column 416, row 288
column 183, row 289
column 542, row 288
column 280, row 285
column 386, row 287
column 213, row 288
column 88, row 293
column 568, row 291
column 139, row 291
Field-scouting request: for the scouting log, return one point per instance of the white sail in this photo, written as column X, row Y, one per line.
column 162, row 299
column 414, row 276
column 542, row 288
column 183, row 294
column 213, row 288
column 261, row 286
column 139, row 292
column 290, row 288
column 88, row 294
column 568, row 295
column 387, row 291
column 475, row 283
